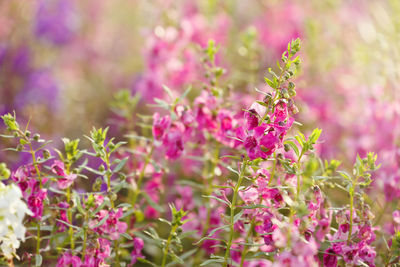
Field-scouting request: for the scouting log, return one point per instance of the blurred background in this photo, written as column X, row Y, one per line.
column 63, row 62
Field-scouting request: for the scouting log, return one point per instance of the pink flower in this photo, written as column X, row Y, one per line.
column 112, row 225
column 63, row 216
column 251, row 117
column 67, row 259
column 173, row 143
column 160, row 126
column 330, row 258
column 260, row 144
column 64, row 180
column 97, row 256
column 138, row 245
column 24, row 176
column 396, row 216
column 152, row 188
column 35, row 202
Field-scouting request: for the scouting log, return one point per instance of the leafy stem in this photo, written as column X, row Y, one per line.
column 166, row 248
column 233, row 207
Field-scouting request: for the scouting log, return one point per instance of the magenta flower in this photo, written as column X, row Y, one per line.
column 330, row 258
column 35, row 203
column 171, row 135
column 251, row 117
column 152, row 188
column 261, row 140
column 63, row 216
column 173, row 143
column 67, row 259
column 260, row 144
column 24, row 176
column 64, row 180
column 138, row 245
column 97, row 256
column 160, row 126
column 112, row 226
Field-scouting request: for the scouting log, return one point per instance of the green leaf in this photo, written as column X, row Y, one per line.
column 238, row 216
column 208, row 238
column 184, row 95
column 254, row 206
column 345, row 175
column 184, row 256
column 127, row 236
column 298, row 138
column 100, row 207
column 67, row 224
column 217, row 229
column 315, row 135
column 232, row 170
column 94, row 171
column 164, row 221
column 175, row 257
column 147, row 262
column 167, row 90
column 270, row 83
column 218, row 199
column 121, row 164
column 293, row 146
column 100, row 223
column 207, row 262
column 78, row 204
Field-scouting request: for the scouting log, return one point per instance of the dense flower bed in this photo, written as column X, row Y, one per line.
column 203, row 163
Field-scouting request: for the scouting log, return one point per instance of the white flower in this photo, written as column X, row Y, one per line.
column 12, row 212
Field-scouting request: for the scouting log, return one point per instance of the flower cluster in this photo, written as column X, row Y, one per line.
column 12, row 212
column 201, row 164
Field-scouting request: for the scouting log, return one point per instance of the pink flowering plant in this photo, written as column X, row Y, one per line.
column 201, row 178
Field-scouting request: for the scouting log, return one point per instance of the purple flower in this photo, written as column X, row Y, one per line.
column 56, row 21
column 40, row 87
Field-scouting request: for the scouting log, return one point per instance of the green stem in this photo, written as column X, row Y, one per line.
column 38, row 239
column 233, row 207
column 35, row 164
column 84, row 238
column 271, row 177
column 116, row 245
column 351, row 213
column 245, row 249
column 166, row 248
column 109, row 173
column 69, row 214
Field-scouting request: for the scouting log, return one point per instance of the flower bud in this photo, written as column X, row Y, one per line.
column 36, row 137
column 46, row 154
column 286, row 147
column 285, row 93
column 101, row 168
